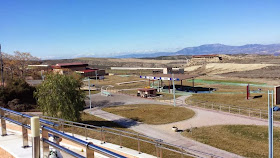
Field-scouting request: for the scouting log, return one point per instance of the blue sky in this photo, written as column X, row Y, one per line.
column 70, row 28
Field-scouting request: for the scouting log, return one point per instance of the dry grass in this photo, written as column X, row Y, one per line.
column 229, row 99
column 231, row 95
column 152, row 113
column 112, row 80
column 248, row 141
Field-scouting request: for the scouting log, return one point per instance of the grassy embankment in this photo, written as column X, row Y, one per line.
column 248, row 141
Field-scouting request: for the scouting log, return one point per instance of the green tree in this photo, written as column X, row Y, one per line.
column 60, row 96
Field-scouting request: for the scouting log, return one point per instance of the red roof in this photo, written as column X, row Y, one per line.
column 71, row 64
column 86, row 71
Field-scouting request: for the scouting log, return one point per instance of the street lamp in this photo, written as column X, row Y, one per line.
column 89, row 92
column 270, row 123
column 2, row 67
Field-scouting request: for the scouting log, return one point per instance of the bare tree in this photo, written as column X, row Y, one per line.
column 16, row 65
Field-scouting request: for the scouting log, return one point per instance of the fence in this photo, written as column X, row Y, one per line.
column 161, row 148
column 251, row 112
column 47, row 132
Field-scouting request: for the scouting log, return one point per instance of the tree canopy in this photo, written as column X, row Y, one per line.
column 60, row 96
column 16, row 65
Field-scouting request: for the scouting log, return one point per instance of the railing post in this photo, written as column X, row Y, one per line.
column 72, row 129
column 157, row 149
column 24, row 133
column 86, row 131
column 120, row 140
column 260, row 114
column 160, row 151
column 3, row 123
column 182, row 152
column 89, row 152
column 101, row 134
column 35, row 135
column 104, row 137
column 239, row 110
column 249, row 113
column 46, row 149
column 138, row 144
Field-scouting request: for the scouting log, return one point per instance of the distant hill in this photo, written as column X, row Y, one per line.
column 273, row 49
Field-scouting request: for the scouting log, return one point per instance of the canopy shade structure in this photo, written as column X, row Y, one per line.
column 168, row 77
column 177, row 77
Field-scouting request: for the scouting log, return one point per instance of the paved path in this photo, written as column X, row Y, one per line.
column 208, row 117
column 203, row 117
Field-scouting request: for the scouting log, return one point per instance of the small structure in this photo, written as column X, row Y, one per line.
column 81, row 68
column 64, row 68
column 206, row 58
column 168, row 77
column 147, row 92
column 276, row 95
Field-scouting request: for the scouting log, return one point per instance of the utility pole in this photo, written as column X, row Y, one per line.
column 89, row 92
column 96, row 76
column 270, row 123
column 2, row 68
column 174, row 89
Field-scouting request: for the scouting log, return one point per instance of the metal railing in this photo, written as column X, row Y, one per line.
column 50, row 131
column 245, row 111
column 159, row 145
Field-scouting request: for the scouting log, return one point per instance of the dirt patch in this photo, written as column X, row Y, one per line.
column 220, row 68
column 266, row 72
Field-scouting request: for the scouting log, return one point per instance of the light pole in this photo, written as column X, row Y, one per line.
column 89, row 92
column 174, row 89
column 96, row 76
column 270, row 123
column 2, row 67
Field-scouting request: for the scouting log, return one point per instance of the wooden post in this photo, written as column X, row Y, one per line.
column 181, row 85
column 169, row 86
column 193, row 82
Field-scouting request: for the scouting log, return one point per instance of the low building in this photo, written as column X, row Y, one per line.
column 81, row 68
column 206, row 58
column 63, row 68
column 170, row 70
column 93, row 73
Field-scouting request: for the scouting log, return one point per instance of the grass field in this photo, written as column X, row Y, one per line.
column 248, row 141
column 152, row 113
column 223, row 81
column 233, row 95
column 229, row 99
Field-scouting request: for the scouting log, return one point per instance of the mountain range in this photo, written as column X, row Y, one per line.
column 273, row 49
